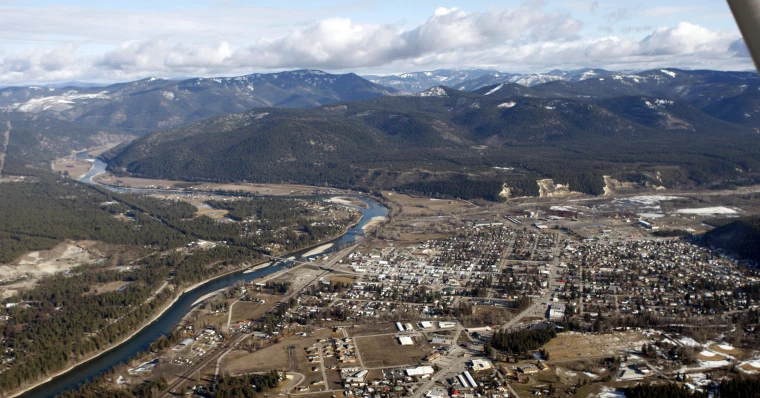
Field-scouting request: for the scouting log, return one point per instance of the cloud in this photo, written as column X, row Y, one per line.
column 340, row 43
column 526, row 38
column 656, row 12
column 686, row 38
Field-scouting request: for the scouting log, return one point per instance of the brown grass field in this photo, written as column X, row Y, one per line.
column 580, row 346
column 425, row 205
column 382, row 351
column 76, row 168
column 364, row 330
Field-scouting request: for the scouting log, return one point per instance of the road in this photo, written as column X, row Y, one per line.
column 322, row 365
column 4, row 141
column 229, row 314
column 454, row 367
column 539, row 306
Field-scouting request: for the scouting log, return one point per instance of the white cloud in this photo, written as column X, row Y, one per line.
column 686, row 38
column 523, row 39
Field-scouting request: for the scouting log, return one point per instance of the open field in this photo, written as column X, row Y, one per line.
column 342, row 279
column 260, row 189
column 729, row 350
column 253, row 310
column 417, row 238
column 268, row 358
column 710, row 356
column 382, row 351
column 276, row 356
column 417, row 205
column 76, row 168
column 110, row 179
column 578, row 346
column 364, row 330
column 206, row 210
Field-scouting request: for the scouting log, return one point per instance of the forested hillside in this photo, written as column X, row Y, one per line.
column 36, row 140
column 741, row 236
column 453, row 143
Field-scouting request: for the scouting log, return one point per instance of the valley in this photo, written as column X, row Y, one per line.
column 423, row 243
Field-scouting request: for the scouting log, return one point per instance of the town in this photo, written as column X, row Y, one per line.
column 503, row 304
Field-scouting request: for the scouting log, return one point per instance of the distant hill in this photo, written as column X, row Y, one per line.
column 743, row 108
column 442, row 139
column 741, row 236
column 36, row 140
column 474, row 78
column 152, row 104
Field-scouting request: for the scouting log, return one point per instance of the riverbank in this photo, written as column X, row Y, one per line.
column 347, row 201
column 164, row 308
column 145, row 324
column 373, row 222
column 128, row 347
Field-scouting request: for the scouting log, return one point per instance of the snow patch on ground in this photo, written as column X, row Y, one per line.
column 507, row 104
column 706, row 353
column 707, row 365
column 707, row 211
column 433, row 92
column 647, row 206
column 549, row 108
column 495, row 89
column 647, row 200
column 663, row 102
column 562, row 208
column 55, row 102
column 667, row 72
column 609, row 392
column 726, row 347
column 688, row 341
column 168, row 95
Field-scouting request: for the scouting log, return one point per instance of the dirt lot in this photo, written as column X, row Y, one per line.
column 382, row 351
column 37, row 263
column 101, row 288
column 422, row 205
column 573, row 345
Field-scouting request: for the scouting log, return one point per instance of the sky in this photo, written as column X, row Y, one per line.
column 109, row 41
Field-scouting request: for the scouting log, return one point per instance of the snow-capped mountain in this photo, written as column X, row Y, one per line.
column 154, row 103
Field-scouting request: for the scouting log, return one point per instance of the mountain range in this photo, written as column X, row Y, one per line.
column 150, row 104
column 313, row 127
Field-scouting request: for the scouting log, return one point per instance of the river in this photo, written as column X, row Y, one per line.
column 171, row 318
